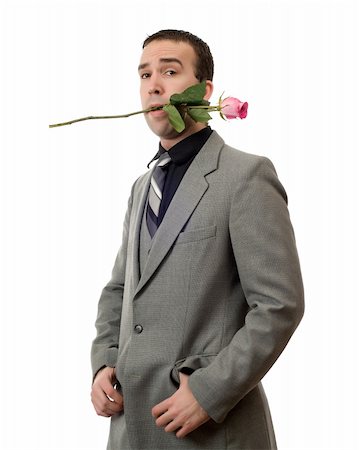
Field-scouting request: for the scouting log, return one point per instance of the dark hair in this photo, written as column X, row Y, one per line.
column 204, row 66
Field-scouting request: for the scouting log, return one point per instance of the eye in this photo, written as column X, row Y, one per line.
column 170, row 72
column 145, row 75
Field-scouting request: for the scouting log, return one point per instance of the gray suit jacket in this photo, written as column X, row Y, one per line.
column 221, row 294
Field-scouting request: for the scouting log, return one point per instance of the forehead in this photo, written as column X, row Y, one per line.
column 166, row 49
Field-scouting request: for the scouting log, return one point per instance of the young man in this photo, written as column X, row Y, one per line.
column 206, row 289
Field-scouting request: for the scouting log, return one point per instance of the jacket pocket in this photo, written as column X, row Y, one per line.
column 189, row 364
column 197, row 234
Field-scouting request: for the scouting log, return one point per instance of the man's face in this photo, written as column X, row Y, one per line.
column 167, row 67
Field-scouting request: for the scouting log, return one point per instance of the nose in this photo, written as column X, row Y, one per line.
column 154, row 90
column 155, row 86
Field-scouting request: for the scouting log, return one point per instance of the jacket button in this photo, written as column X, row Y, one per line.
column 138, row 328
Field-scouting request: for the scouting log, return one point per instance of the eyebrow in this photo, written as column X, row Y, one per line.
column 162, row 60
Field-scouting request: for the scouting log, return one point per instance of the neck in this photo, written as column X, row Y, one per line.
column 167, row 144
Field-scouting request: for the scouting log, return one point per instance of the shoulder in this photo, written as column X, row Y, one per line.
column 243, row 165
column 243, row 170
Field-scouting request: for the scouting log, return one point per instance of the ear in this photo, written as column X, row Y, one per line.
column 209, row 90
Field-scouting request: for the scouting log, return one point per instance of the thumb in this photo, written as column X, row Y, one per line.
column 113, row 374
column 183, row 378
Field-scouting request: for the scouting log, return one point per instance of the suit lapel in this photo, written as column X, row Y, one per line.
column 139, row 209
column 184, row 202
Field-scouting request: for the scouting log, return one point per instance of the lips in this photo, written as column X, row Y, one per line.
column 153, row 105
column 158, row 112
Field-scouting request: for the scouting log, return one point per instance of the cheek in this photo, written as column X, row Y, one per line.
column 143, row 93
column 179, row 85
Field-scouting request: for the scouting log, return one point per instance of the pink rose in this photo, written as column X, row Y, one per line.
column 232, row 108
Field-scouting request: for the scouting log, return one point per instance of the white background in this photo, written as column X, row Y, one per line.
column 64, row 193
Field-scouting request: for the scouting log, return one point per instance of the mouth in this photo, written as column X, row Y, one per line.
column 157, row 111
column 155, row 105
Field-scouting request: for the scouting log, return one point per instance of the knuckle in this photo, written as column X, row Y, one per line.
column 102, row 412
column 112, row 393
column 158, row 422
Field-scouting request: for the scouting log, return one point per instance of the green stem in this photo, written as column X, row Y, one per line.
column 209, row 108
column 154, row 108
column 104, row 117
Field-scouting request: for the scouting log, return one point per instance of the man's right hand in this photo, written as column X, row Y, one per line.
column 106, row 400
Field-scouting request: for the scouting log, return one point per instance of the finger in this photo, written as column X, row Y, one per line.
column 100, row 408
column 103, row 405
column 107, row 409
column 100, row 396
column 161, row 408
column 164, row 419
column 106, row 385
column 188, row 427
column 183, row 377
column 112, row 406
column 173, row 426
column 114, row 395
column 105, row 413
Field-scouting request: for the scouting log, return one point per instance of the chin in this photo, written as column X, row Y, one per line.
column 165, row 131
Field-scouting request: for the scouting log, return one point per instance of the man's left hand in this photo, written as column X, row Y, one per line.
column 181, row 412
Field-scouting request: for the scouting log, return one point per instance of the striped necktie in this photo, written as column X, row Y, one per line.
column 155, row 192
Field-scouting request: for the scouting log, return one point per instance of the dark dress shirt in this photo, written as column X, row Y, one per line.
column 182, row 155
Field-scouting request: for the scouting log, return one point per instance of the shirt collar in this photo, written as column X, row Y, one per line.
column 186, row 149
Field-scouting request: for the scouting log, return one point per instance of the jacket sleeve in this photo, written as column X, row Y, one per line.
column 264, row 247
column 105, row 346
